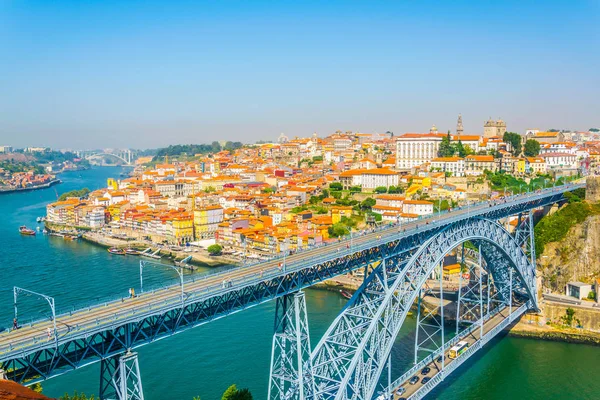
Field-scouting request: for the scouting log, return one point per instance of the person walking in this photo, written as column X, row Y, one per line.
column 49, row 333
column 15, row 323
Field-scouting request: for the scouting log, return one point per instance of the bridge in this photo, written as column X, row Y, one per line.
column 401, row 266
column 125, row 155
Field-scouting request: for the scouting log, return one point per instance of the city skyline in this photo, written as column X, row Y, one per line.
column 145, row 75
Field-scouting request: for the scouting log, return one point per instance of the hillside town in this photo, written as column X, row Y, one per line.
column 296, row 193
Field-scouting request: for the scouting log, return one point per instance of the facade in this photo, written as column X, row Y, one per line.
column 414, row 149
column 417, row 207
column 560, row 160
column 453, row 165
column 206, row 221
column 493, row 128
column 475, row 165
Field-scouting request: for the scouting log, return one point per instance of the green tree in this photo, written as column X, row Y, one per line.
column 460, row 149
column 215, row 249
column 337, row 230
column 355, row 189
column 514, row 139
column 394, row 189
column 367, row 204
column 335, row 186
column 230, row 393
column 380, row 189
column 76, row 396
column 74, row 193
column 593, row 130
column 446, row 149
column 468, row 150
column 532, row 148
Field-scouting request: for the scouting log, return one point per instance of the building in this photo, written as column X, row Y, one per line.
column 493, row 128
column 459, row 126
column 418, row 207
column 414, row 149
column 578, row 290
column 369, row 179
column 455, row 166
column 546, row 137
column 559, row 160
column 6, row 149
column 206, row 221
column 475, row 165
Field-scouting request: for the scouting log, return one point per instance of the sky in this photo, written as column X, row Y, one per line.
column 143, row 74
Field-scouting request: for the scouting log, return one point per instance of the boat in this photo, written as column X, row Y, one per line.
column 23, row 230
column 345, row 294
column 132, row 252
column 116, row 250
column 184, row 262
column 39, row 219
column 149, row 254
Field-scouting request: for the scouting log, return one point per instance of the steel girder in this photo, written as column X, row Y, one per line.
column 120, row 378
column 81, row 349
column 291, row 366
column 349, row 359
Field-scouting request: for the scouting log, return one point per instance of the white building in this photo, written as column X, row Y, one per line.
column 414, row 149
column 418, row 207
column 560, row 160
column 453, row 165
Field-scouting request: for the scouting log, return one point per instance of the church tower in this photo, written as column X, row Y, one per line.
column 459, row 126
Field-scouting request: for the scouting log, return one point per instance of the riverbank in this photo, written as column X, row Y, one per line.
column 199, row 257
column 531, row 329
column 30, row 188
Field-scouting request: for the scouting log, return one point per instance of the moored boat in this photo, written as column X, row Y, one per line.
column 23, row 230
column 345, row 294
column 116, row 250
column 132, row 252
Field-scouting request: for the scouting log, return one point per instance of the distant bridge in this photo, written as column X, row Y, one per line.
column 126, row 155
column 400, row 265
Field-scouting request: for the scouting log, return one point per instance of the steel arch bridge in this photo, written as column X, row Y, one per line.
column 398, row 263
column 125, row 155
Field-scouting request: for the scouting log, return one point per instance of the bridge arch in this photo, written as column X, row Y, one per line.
column 101, row 155
column 350, row 358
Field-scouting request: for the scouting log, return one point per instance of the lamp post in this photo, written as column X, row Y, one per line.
column 50, row 300
column 179, row 271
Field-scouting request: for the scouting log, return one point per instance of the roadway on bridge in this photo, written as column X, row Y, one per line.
column 435, row 366
column 30, row 337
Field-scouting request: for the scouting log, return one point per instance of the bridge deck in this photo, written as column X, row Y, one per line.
column 33, row 337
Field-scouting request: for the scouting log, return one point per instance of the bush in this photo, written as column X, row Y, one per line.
column 215, row 249
column 380, row 189
column 553, row 228
column 355, row 189
column 335, row 186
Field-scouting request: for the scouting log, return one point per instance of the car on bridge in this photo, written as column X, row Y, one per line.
column 425, row 380
column 401, row 390
column 425, row 371
column 414, row 380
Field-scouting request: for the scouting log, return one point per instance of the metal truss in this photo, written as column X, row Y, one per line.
column 120, row 378
column 39, row 359
column 291, row 366
column 349, row 359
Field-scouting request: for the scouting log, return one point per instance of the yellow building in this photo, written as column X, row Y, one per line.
column 112, row 183
column 452, row 269
column 521, row 166
column 182, row 229
column 206, row 221
column 337, row 212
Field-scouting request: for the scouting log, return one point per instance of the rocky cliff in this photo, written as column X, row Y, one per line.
column 576, row 257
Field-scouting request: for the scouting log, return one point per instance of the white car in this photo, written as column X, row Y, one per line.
column 400, row 391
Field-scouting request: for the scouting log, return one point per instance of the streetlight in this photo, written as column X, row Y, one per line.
column 50, row 300
column 179, row 271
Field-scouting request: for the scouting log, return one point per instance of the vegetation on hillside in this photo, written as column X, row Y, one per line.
column 193, row 149
column 74, row 193
column 554, row 227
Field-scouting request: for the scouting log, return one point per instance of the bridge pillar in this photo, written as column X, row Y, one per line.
column 120, row 378
column 291, row 366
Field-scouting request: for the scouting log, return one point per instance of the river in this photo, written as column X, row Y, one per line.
column 206, row 360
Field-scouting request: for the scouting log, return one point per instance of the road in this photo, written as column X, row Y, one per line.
column 30, row 337
column 437, row 366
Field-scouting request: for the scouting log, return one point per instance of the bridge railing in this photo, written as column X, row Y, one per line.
column 153, row 306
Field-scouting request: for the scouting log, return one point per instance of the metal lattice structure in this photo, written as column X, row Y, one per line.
column 349, row 359
column 291, row 366
column 120, row 378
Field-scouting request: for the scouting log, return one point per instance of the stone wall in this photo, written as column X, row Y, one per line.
column 589, row 317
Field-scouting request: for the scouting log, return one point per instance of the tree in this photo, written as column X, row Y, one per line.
column 230, row 393
column 446, row 149
column 215, row 249
column 335, row 186
column 367, row 204
column 514, row 139
column 355, row 189
column 532, row 148
column 76, row 396
column 468, row 150
column 380, row 189
column 337, row 230
column 594, row 130
column 394, row 189
column 460, row 149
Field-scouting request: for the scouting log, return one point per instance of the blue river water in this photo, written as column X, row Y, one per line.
column 206, row 360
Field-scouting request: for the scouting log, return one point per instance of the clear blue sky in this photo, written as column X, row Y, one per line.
column 87, row 74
